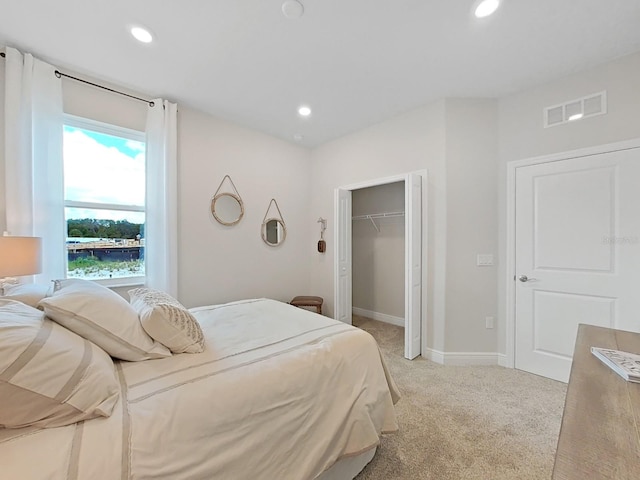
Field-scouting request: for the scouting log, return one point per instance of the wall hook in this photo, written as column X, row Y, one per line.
column 322, row 245
column 323, row 226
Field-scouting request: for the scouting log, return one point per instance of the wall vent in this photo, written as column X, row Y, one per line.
column 577, row 109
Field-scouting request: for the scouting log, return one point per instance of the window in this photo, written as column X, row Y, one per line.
column 104, row 199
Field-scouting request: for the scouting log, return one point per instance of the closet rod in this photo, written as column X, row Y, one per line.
column 378, row 215
column 372, row 216
column 59, row 74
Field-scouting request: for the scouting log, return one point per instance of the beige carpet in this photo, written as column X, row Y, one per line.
column 488, row 423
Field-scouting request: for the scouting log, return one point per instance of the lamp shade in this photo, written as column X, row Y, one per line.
column 19, row 256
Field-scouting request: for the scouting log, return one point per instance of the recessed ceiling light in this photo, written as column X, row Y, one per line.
column 304, row 110
column 575, row 116
column 141, row 34
column 298, row 137
column 486, row 8
column 292, row 9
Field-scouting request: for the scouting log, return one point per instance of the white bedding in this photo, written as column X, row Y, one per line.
column 279, row 393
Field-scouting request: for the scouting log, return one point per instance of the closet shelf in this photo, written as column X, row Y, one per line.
column 373, row 216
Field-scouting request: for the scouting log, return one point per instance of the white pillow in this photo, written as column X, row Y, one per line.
column 29, row 293
column 102, row 316
column 50, row 376
column 167, row 321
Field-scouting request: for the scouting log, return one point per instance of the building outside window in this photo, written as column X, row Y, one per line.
column 104, row 197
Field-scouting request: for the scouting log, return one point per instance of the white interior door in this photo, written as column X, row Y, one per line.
column 577, row 255
column 413, row 265
column 343, row 285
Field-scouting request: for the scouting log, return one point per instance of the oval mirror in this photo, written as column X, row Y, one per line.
column 227, row 208
column 273, row 231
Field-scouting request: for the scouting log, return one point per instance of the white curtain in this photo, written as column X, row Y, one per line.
column 161, row 236
column 33, row 158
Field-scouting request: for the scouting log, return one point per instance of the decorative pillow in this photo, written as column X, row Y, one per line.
column 102, row 316
column 29, row 293
column 50, row 376
column 167, row 321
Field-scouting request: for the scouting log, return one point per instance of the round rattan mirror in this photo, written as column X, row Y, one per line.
column 274, row 231
column 227, row 208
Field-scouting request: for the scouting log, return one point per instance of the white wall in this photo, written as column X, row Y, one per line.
column 90, row 102
column 412, row 141
column 216, row 263
column 454, row 139
column 472, row 223
column 378, row 255
column 522, row 135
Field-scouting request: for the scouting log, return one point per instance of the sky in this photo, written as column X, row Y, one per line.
column 103, row 168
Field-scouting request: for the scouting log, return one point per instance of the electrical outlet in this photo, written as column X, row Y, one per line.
column 489, row 322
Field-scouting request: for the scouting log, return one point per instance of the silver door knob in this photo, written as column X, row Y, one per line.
column 523, row 278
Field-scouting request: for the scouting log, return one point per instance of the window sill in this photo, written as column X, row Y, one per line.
column 121, row 282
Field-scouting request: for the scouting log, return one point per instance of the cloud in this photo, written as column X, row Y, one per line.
column 97, row 173
column 135, row 145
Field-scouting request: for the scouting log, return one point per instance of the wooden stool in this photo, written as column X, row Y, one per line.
column 308, row 301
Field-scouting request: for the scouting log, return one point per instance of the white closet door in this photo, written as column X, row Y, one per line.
column 577, row 255
column 413, row 265
column 343, row 285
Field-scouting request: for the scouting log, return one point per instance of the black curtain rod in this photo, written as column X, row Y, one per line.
column 60, row 74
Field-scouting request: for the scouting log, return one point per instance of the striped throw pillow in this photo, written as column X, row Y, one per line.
column 103, row 317
column 49, row 376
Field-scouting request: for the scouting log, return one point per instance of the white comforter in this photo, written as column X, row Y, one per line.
column 279, row 393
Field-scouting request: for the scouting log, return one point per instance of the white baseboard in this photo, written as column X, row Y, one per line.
column 443, row 358
column 463, row 358
column 381, row 317
column 434, row 355
column 502, row 360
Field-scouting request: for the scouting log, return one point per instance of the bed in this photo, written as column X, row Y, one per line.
column 278, row 393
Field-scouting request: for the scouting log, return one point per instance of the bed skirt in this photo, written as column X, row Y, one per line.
column 348, row 467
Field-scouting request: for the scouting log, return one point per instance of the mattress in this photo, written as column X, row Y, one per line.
column 278, row 393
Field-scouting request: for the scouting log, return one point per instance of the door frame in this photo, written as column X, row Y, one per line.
column 510, row 263
column 406, row 177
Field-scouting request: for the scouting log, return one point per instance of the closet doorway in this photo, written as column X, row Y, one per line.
column 412, row 278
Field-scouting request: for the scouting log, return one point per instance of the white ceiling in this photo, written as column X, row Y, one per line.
column 355, row 62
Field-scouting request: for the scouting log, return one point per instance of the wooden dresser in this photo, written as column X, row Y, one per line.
column 600, row 433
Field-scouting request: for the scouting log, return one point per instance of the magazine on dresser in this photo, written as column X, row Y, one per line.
column 625, row 364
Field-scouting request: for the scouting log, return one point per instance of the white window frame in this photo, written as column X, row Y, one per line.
column 117, row 131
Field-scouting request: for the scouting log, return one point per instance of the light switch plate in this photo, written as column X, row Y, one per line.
column 485, row 259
